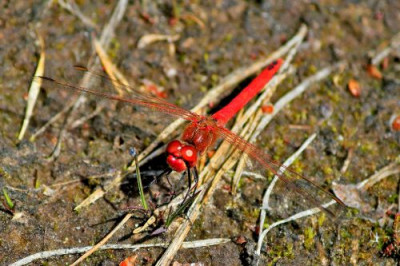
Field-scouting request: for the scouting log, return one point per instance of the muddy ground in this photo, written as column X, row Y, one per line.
column 215, row 38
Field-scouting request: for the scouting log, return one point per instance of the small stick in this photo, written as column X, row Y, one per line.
column 105, row 39
column 268, row 192
column 391, row 169
column 103, row 241
column 61, row 252
column 346, row 163
column 394, row 44
column 82, row 120
column 388, row 170
column 34, row 89
column 72, row 7
column 291, row 218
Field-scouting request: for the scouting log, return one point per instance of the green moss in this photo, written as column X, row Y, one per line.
column 206, row 57
column 367, row 147
column 182, row 58
column 309, row 235
column 114, row 48
column 4, row 174
column 393, row 198
column 327, row 170
column 345, row 234
column 278, row 252
column 228, row 37
column 251, row 213
column 56, row 227
column 312, row 69
column 298, row 166
column 179, row 101
column 321, row 219
column 214, row 79
column 146, row 141
column 334, row 96
column 59, row 46
column 288, row 253
column 77, row 199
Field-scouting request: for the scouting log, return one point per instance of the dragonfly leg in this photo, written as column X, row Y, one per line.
column 165, row 172
column 189, row 182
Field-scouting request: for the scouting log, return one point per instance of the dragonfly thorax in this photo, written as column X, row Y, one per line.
column 201, row 134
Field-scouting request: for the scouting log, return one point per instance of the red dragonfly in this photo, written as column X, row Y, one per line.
column 202, row 132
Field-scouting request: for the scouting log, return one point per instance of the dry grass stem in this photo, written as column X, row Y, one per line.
column 73, row 8
column 103, row 241
column 34, row 89
column 62, row 252
column 152, row 38
column 292, row 218
column 388, row 170
column 394, row 44
column 346, row 163
column 111, row 69
column 391, row 169
column 268, row 192
column 105, row 39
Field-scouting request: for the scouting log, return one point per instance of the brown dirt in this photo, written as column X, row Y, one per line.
column 235, row 34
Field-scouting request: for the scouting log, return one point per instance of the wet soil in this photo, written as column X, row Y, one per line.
column 215, row 38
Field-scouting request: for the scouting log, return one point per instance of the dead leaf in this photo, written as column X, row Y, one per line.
column 152, row 38
column 374, row 72
column 351, row 197
column 354, row 88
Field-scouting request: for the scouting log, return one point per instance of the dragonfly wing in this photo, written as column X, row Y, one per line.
column 313, row 193
column 104, row 89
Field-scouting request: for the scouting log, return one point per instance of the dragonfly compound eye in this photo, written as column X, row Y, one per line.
column 174, row 148
column 189, row 154
column 176, row 164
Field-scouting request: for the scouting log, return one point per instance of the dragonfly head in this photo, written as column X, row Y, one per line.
column 180, row 155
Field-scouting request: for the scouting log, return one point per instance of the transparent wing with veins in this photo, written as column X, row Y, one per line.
column 294, row 181
column 135, row 97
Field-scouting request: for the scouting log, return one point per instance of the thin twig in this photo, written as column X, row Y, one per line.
column 268, row 192
column 105, row 40
column 61, row 252
column 72, row 7
column 106, row 36
column 292, row 218
column 346, row 163
column 394, row 44
column 34, row 89
column 103, row 241
column 386, row 171
column 82, row 120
